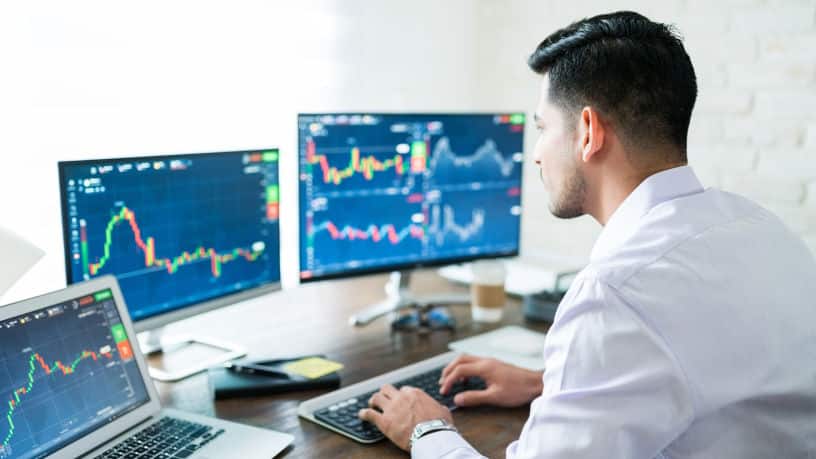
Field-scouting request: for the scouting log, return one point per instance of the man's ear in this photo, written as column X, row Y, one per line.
column 591, row 132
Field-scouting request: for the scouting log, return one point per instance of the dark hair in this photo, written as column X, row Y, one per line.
column 633, row 70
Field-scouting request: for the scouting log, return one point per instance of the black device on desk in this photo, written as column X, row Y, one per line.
column 542, row 306
column 248, row 378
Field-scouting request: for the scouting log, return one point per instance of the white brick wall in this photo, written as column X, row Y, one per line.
column 754, row 128
column 791, row 104
column 810, row 195
column 776, row 17
column 791, row 47
column 794, row 165
column 762, row 132
column 774, row 190
column 725, row 158
column 810, row 137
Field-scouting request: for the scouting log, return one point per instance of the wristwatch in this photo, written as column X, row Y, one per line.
column 424, row 428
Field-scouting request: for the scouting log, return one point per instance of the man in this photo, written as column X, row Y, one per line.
column 691, row 331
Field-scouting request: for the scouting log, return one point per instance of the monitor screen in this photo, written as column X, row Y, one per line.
column 68, row 369
column 384, row 192
column 175, row 230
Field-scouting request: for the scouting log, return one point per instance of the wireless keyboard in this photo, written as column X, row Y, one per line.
column 337, row 410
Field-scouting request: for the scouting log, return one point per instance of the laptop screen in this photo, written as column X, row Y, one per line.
column 65, row 370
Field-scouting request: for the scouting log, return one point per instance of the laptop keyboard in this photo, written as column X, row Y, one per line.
column 343, row 415
column 167, row 438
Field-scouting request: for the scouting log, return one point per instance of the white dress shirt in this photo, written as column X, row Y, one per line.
column 690, row 334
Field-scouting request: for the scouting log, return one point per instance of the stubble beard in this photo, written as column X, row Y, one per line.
column 568, row 202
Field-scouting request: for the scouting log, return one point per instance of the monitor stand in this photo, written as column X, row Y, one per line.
column 399, row 297
column 184, row 355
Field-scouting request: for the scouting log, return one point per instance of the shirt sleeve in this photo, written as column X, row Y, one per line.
column 612, row 387
column 443, row 445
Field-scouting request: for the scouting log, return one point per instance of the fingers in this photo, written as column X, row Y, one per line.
column 383, row 397
column 474, row 397
column 389, row 391
column 461, row 371
column 372, row 416
column 464, row 358
column 379, row 400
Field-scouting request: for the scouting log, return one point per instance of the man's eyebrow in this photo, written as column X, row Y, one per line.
column 536, row 118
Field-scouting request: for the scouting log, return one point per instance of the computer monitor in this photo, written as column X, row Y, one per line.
column 392, row 192
column 183, row 233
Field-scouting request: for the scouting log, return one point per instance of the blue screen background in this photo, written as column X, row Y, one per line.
column 54, row 407
column 444, row 187
column 196, row 209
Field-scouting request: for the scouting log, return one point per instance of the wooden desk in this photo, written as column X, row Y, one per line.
column 314, row 319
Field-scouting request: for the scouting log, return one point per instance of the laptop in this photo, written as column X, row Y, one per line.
column 74, row 384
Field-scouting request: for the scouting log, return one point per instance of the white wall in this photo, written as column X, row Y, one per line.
column 87, row 79
column 754, row 126
column 92, row 79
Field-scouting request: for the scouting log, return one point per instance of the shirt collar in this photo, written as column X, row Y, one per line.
column 655, row 189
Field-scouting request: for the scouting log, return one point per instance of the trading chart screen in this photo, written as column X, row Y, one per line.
column 175, row 230
column 66, row 370
column 385, row 191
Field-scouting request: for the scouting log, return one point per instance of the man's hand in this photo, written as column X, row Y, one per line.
column 401, row 410
column 507, row 385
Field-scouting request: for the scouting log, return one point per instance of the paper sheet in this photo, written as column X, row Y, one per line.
column 511, row 344
column 312, row 367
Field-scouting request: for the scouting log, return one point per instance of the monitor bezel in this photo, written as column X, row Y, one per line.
column 354, row 272
column 190, row 309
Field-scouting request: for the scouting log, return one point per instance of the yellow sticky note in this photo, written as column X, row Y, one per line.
column 313, row 367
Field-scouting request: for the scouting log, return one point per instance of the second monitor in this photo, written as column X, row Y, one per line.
column 182, row 233
column 392, row 192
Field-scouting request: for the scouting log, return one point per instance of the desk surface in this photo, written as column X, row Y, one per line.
column 313, row 319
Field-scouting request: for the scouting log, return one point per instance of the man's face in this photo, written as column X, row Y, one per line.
column 556, row 154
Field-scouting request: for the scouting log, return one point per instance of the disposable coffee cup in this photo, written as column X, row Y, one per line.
column 487, row 296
